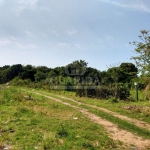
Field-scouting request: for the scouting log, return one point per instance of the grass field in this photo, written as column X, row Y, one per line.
column 135, row 109
column 135, row 112
column 30, row 122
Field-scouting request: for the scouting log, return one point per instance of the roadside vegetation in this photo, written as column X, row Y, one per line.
column 33, row 122
column 139, row 112
column 135, row 109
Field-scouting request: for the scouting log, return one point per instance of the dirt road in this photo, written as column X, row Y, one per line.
column 138, row 123
column 128, row 138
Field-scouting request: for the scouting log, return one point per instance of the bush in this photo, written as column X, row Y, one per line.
column 89, row 91
column 103, row 92
column 80, row 91
column 123, row 93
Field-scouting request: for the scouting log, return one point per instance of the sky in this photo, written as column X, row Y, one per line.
column 55, row 33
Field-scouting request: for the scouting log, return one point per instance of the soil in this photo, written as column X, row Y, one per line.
column 138, row 123
column 129, row 139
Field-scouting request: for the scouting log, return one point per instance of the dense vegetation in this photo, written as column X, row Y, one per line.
column 86, row 81
column 122, row 74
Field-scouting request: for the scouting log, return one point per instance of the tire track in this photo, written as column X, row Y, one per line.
column 138, row 123
column 112, row 129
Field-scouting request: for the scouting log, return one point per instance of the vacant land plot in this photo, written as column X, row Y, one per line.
column 35, row 122
column 32, row 119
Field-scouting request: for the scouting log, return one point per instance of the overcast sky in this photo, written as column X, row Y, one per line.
column 57, row 32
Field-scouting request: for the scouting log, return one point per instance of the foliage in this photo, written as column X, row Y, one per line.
column 76, row 68
column 76, row 76
column 28, row 73
column 39, row 76
column 77, row 71
column 129, row 72
column 143, row 52
column 8, row 73
column 123, row 93
column 103, row 92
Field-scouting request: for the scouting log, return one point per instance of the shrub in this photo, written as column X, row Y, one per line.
column 103, row 92
column 80, row 91
column 123, row 93
column 89, row 91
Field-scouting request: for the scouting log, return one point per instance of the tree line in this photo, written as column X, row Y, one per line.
column 76, row 76
column 116, row 81
column 77, row 70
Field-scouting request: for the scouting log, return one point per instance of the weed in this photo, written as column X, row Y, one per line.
column 49, row 141
column 87, row 145
column 55, row 105
column 62, row 131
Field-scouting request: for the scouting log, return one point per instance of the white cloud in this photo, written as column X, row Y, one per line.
column 109, row 38
column 26, row 46
column 55, row 33
column 141, row 7
column 71, row 32
column 27, row 2
column 81, row 47
column 61, row 45
column 29, row 34
column 119, row 14
column 134, row 5
column 43, row 35
column 5, row 42
column 21, row 5
column 78, row 46
column 12, row 42
column 45, row 9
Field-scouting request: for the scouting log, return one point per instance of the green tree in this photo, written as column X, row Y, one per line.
column 43, row 69
column 28, row 73
column 39, row 76
column 114, row 73
column 129, row 72
column 104, row 78
column 9, row 73
column 142, row 51
column 60, row 71
column 52, row 74
column 76, row 68
column 4, row 67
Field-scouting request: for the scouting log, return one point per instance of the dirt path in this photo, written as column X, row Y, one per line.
column 124, row 136
column 138, row 123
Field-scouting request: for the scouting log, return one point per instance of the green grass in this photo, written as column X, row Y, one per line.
column 141, row 111
column 121, row 123
column 30, row 121
column 43, row 124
